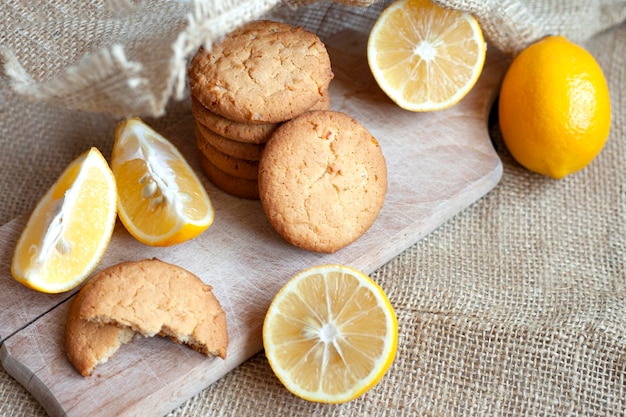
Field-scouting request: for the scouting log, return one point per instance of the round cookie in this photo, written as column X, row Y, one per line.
column 263, row 72
column 248, row 151
column 238, row 187
column 322, row 180
column 242, row 132
column 240, row 168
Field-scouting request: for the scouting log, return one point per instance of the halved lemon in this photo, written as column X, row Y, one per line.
column 330, row 334
column 425, row 57
column 69, row 229
column 161, row 199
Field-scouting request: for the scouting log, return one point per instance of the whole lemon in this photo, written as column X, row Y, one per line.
column 554, row 107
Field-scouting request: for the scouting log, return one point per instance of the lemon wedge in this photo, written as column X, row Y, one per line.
column 70, row 227
column 161, row 199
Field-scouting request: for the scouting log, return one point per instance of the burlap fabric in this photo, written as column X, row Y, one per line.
column 517, row 306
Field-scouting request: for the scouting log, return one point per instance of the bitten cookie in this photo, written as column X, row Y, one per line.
column 89, row 344
column 148, row 297
column 322, row 180
column 263, row 72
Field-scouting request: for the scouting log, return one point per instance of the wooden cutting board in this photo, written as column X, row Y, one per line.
column 438, row 163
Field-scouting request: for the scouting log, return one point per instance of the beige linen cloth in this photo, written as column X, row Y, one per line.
column 515, row 307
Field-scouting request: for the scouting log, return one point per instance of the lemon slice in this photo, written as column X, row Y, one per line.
column 161, row 200
column 330, row 334
column 69, row 229
column 425, row 57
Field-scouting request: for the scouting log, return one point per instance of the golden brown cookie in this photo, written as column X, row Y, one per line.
column 89, row 344
column 242, row 132
column 148, row 297
column 241, row 150
column 238, row 187
column 263, row 72
column 323, row 104
column 240, row 168
column 322, row 180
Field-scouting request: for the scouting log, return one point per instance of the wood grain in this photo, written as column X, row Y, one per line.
column 438, row 163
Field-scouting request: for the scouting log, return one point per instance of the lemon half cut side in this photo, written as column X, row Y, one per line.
column 330, row 334
column 425, row 57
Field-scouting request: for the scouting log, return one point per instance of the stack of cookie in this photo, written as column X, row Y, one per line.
column 258, row 77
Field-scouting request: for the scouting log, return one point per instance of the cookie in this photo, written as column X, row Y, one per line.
column 323, row 104
column 148, row 297
column 322, row 180
column 263, row 72
column 240, row 168
column 90, row 344
column 242, row 132
column 248, row 151
column 238, row 187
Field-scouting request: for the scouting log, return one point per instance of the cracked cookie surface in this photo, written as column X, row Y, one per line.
column 322, row 180
column 263, row 72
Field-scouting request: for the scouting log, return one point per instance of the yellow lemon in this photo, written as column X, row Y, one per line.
column 161, row 200
column 425, row 57
column 554, row 107
column 69, row 229
column 330, row 334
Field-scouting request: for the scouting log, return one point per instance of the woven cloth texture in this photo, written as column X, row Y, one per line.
column 129, row 57
column 514, row 307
